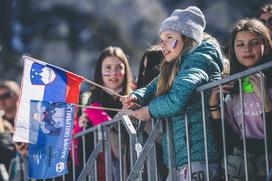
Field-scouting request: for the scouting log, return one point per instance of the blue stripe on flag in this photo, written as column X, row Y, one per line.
column 56, row 90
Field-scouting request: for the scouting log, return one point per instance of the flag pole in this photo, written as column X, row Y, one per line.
column 104, row 108
column 102, row 87
column 107, row 89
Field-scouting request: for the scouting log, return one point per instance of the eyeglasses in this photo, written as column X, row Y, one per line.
column 6, row 95
column 267, row 22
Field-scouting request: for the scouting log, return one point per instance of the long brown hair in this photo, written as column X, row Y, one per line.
column 115, row 52
column 169, row 70
column 153, row 57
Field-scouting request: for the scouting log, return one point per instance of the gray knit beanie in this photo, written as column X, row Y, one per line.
column 189, row 22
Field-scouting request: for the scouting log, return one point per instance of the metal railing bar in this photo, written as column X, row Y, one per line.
column 146, row 150
column 188, row 146
column 73, row 159
column 243, row 127
column 90, row 162
column 264, row 123
column 120, row 151
column 108, row 158
column 223, row 131
column 170, row 150
column 205, row 136
column 235, row 76
column 92, row 129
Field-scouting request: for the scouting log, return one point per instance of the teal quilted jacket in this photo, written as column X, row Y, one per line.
column 198, row 67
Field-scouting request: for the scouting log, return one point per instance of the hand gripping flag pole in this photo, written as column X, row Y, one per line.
column 107, row 90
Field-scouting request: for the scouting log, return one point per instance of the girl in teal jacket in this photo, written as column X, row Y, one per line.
column 189, row 63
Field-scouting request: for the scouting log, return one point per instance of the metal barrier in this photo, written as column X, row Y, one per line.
column 103, row 142
column 142, row 156
column 239, row 77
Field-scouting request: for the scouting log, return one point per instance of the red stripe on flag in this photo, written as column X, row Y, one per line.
column 73, row 88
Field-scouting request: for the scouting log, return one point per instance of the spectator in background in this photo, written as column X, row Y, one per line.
column 113, row 72
column 249, row 43
column 149, row 66
column 148, row 70
column 9, row 96
column 7, row 149
column 265, row 16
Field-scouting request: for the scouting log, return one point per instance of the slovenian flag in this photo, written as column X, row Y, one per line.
column 42, row 82
column 45, row 116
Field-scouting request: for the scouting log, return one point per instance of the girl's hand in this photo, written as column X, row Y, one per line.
column 22, row 148
column 256, row 81
column 214, row 98
column 142, row 114
column 83, row 120
column 128, row 101
column 2, row 129
column 4, row 124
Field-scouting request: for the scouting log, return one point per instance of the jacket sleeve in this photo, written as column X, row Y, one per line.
column 193, row 73
column 146, row 94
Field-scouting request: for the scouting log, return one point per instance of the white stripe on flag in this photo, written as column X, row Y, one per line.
column 28, row 92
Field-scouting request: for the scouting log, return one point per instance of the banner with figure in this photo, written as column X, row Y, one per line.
column 42, row 82
column 53, row 123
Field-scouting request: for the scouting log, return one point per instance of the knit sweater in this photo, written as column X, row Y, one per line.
column 200, row 66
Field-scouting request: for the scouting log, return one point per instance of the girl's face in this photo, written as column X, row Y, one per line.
column 113, row 73
column 249, row 48
column 7, row 100
column 171, row 44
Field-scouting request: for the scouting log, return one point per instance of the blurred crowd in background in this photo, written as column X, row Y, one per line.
column 70, row 34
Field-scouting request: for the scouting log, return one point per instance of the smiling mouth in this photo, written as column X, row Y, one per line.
column 166, row 52
column 248, row 57
column 113, row 80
